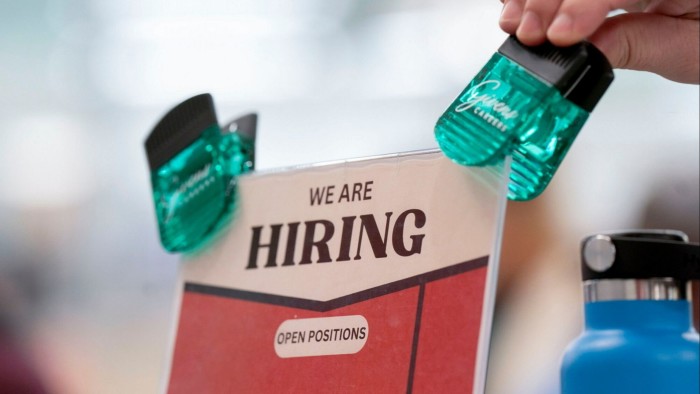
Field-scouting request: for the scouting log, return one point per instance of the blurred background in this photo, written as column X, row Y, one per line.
column 86, row 291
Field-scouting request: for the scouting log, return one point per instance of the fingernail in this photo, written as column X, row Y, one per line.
column 530, row 29
column 510, row 16
column 561, row 27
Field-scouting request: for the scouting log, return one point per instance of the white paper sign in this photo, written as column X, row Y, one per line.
column 372, row 275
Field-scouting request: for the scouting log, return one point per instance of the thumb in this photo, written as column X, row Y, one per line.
column 668, row 46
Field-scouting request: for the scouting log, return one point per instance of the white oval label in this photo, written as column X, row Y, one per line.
column 321, row 336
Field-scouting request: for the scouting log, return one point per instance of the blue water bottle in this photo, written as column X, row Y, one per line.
column 638, row 335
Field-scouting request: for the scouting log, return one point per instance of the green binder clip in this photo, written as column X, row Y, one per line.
column 194, row 166
column 528, row 102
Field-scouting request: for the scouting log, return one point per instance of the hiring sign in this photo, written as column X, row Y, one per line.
column 372, row 275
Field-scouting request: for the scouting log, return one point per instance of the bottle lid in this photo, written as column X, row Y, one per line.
column 642, row 254
column 179, row 128
column 580, row 72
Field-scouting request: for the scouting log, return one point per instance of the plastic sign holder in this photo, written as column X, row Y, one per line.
column 368, row 275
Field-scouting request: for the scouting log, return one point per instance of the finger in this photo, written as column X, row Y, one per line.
column 510, row 16
column 537, row 15
column 578, row 19
column 661, row 44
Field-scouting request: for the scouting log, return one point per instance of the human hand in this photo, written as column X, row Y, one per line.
column 661, row 36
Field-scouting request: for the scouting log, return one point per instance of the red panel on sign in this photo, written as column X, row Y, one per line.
column 226, row 344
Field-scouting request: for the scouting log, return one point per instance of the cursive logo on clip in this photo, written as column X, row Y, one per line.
column 203, row 177
column 488, row 101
